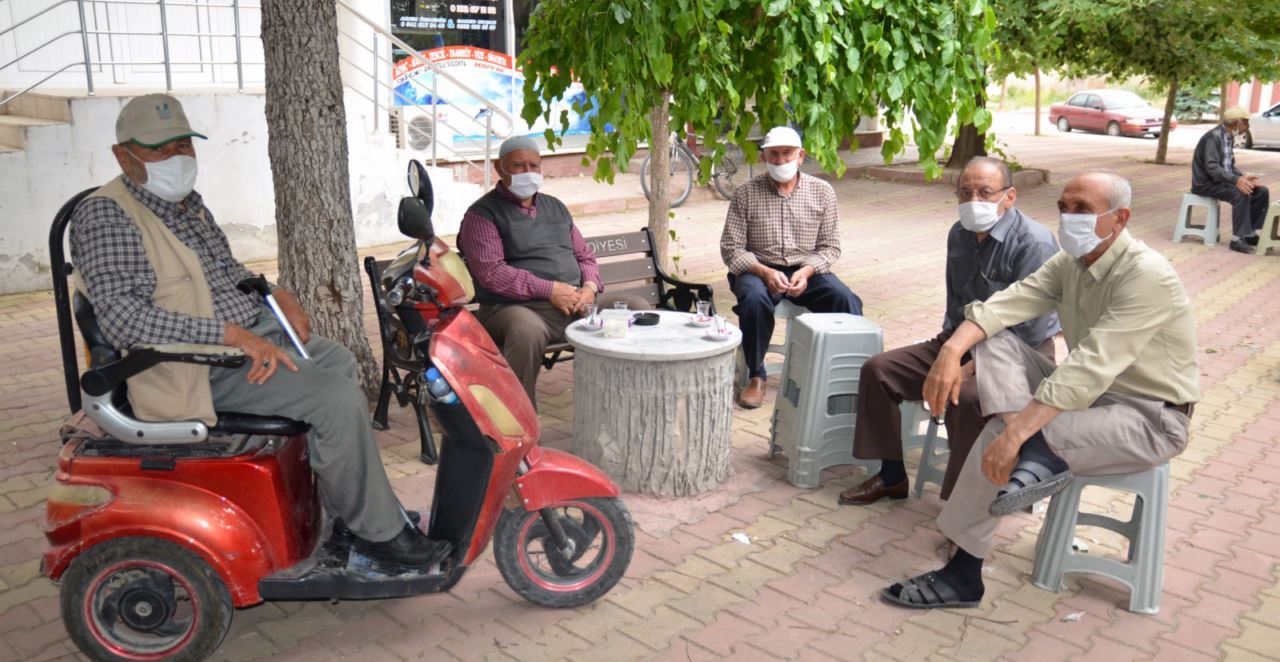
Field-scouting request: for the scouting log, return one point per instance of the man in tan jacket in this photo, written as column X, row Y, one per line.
column 1121, row 402
column 158, row 270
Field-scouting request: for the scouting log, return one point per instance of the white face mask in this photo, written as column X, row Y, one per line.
column 525, row 184
column 172, row 179
column 1076, row 233
column 980, row 215
column 785, row 172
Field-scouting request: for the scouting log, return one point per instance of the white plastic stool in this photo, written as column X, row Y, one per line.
column 1270, row 226
column 1144, row 571
column 1183, row 227
column 784, row 311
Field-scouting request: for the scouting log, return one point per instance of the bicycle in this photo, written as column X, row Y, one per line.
column 732, row 172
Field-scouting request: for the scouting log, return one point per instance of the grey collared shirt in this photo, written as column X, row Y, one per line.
column 1014, row 249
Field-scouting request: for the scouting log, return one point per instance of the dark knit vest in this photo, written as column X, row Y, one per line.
column 543, row 246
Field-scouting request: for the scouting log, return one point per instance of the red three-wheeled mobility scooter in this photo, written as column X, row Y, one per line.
column 157, row 531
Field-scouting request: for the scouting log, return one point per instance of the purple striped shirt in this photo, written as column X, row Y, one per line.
column 481, row 243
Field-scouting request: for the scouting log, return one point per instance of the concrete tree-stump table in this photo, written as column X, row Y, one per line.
column 654, row 410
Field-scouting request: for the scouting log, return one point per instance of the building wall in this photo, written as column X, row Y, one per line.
column 235, row 179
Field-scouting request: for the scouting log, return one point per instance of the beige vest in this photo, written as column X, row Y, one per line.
column 168, row 391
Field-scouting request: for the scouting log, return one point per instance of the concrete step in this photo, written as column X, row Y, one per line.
column 51, row 107
column 13, row 129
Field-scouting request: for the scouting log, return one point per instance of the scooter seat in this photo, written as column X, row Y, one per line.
column 236, row 423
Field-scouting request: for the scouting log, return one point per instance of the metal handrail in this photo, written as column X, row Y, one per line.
column 33, row 17
column 89, row 63
column 438, row 74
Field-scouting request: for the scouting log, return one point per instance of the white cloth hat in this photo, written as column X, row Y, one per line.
column 1235, row 113
column 781, row 136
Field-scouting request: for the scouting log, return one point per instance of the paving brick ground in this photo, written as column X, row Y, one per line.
column 805, row 587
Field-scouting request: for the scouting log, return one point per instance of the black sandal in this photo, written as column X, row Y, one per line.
column 928, row 591
column 1030, row 482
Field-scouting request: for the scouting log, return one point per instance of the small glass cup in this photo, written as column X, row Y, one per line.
column 616, row 323
column 590, row 315
column 704, row 310
column 620, row 305
column 720, row 325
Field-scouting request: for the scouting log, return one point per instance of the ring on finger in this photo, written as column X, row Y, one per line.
column 266, row 363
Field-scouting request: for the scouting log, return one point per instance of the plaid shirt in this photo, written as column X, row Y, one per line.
column 762, row 226
column 106, row 247
column 481, row 242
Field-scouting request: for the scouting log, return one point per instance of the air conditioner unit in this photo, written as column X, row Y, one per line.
column 416, row 130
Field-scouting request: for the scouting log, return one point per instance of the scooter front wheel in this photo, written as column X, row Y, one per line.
column 144, row 599
column 601, row 539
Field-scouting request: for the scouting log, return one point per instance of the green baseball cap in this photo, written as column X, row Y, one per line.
column 153, row 120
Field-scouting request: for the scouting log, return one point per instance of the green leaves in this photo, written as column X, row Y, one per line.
column 735, row 68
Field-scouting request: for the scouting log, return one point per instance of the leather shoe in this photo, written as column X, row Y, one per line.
column 872, row 490
column 1241, row 246
column 1252, row 239
column 753, row 395
column 410, row 549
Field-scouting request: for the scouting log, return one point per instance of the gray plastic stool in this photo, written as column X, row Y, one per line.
column 1144, row 571
column 815, row 411
column 933, row 449
column 1183, row 227
column 783, row 312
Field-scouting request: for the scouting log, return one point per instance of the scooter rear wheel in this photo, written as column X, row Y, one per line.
column 603, row 539
column 144, row 599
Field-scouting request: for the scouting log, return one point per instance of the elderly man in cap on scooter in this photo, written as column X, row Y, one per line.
column 159, row 270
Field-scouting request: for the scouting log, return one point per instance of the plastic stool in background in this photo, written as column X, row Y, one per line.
column 1270, row 226
column 1183, row 226
column 783, row 312
column 1144, row 571
column 815, row 411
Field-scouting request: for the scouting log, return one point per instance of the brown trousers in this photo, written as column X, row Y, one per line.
column 524, row 330
column 1117, row 434
column 889, row 378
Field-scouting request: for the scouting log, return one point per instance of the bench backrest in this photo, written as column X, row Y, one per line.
column 627, row 265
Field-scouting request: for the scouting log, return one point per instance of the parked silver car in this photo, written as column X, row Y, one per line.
column 1264, row 129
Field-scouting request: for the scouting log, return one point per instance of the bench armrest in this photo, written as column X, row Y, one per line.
column 679, row 295
column 102, row 379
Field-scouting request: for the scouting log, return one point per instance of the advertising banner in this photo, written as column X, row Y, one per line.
column 489, row 73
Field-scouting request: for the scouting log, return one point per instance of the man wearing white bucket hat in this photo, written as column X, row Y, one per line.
column 781, row 237
column 1214, row 174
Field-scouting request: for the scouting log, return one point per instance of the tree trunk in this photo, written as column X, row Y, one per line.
column 1222, row 99
column 969, row 143
column 1037, row 100
column 1162, row 148
column 307, row 146
column 659, row 178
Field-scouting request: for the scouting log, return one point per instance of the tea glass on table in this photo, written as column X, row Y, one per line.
column 704, row 310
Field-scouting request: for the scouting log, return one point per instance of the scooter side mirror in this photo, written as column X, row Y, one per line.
column 420, row 185
column 414, row 220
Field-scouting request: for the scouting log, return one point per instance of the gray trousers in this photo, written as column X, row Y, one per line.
column 1117, row 434
column 325, row 393
column 524, row 330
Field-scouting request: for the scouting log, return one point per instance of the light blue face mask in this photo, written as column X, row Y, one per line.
column 172, row 179
column 1077, row 233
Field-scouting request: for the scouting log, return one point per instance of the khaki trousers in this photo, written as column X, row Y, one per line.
column 325, row 392
column 1117, row 434
column 524, row 330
